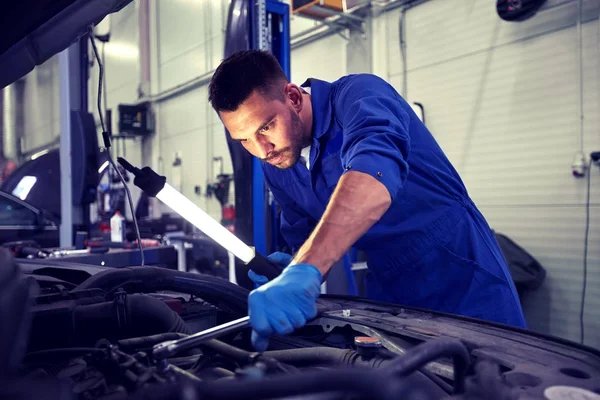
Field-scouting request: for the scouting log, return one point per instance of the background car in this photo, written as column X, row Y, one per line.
column 20, row 221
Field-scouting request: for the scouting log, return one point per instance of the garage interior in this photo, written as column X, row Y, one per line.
column 514, row 105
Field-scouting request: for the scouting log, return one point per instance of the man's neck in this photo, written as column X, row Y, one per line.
column 306, row 115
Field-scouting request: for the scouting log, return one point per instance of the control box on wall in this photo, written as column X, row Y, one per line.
column 135, row 119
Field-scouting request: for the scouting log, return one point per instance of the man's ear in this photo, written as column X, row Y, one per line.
column 293, row 94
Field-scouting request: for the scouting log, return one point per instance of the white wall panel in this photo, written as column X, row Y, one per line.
column 122, row 75
column 184, row 67
column 183, row 113
column 122, row 51
column 192, row 148
column 191, row 43
column 438, row 30
column 502, row 100
column 41, row 112
column 324, row 59
column 181, row 26
column 554, row 236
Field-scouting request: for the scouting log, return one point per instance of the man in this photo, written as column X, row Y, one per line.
column 350, row 164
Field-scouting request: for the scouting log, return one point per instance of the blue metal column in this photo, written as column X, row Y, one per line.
column 258, row 18
column 270, row 31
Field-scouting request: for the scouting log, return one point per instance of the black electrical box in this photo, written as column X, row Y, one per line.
column 135, row 119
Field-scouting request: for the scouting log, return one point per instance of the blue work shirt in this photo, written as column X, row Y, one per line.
column 432, row 248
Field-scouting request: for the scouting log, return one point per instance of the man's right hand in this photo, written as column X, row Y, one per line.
column 284, row 304
column 282, row 260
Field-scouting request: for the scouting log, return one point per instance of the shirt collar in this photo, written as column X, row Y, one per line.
column 320, row 96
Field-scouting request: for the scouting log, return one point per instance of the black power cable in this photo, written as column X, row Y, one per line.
column 107, row 145
column 585, row 253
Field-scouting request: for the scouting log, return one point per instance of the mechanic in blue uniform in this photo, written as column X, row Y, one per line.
column 351, row 164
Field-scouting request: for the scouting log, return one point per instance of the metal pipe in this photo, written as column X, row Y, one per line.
column 308, row 31
column 13, row 115
column 9, row 134
column 178, row 89
column 313, row 38
column 402, row 40
column 580, row 70
column 144, row 23
column 1, row 123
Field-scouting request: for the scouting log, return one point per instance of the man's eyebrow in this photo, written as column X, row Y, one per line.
column 267, row 122
column 261, row 127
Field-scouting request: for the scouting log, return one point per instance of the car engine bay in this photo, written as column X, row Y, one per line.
column 70, row 334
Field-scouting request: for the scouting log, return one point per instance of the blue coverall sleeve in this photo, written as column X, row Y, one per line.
column 375, row 125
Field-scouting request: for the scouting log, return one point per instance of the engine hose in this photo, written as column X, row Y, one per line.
column 214, row 373
column 429, row 351
column 140, row 315
column 331, row 356
column 327, row 356
column 368, row 383
column 228, row 350
column 298, row 357
column 217, row 291
column 312, row 356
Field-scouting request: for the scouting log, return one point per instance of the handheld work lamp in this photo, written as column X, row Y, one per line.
column 155, row 185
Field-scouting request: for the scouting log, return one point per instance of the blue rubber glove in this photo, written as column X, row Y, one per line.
column 280, row 259
column 284, row 304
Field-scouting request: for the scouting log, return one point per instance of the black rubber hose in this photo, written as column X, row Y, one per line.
column 369, row 383
column 331, row 356
column 214, row 373
column 155, row 315
column 228, row 350
column 326, row 356
column 426, row 352
column 299, row 357
column 143, row 315
column 216, row 291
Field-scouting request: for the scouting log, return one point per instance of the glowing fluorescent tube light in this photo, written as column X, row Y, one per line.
column 103, row 167
column 201, row 220
column 155, row 185
column 24, row 187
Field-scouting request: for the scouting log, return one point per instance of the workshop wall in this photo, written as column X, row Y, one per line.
column 190, row 45
column 323, row 59
column 502, row 100
column 39, row 106
column 122, row 77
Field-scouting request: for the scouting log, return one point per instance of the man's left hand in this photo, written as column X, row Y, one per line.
column 284, row 304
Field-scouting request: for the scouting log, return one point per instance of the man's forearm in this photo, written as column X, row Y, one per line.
column 357, row 203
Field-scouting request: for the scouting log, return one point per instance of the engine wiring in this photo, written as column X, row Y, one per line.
column 107, row 145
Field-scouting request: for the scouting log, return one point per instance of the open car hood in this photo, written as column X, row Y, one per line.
column 35, row 30
column 99, row 326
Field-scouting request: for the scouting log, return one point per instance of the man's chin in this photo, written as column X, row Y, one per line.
column 285, row 164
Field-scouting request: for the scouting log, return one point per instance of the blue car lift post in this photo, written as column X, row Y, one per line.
column 270, row 31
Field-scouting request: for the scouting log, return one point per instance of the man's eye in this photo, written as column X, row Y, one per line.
column 267, row 127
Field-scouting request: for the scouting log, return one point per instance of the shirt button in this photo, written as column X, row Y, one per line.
column 379, row 174
column 348, row 167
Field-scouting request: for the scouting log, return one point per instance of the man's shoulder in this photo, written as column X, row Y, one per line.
column 351, row 86
column 360, row 79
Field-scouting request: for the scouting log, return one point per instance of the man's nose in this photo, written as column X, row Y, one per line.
column 263, row 147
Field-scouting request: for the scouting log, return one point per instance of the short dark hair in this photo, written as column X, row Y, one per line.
column 242, row 73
